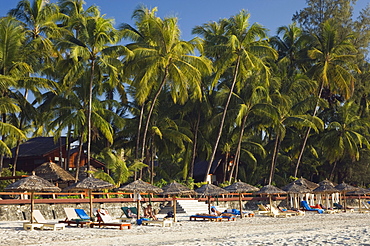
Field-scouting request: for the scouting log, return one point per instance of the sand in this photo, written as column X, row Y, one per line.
column 311, row 229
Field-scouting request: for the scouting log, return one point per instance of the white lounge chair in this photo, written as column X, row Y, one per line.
column 39, row 218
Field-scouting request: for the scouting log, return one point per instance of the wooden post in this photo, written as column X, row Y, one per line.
column 174, row 208
column 32, row 204
column 240, row 205
column 91, row 203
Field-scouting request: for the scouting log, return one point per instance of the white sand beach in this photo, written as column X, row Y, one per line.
column 311, row 229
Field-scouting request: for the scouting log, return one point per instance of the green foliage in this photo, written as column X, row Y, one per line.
column 7, row 172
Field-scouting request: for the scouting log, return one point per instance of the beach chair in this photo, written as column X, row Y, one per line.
column 39, row 218
column 225, row 216
column 208, row 217
column 74, row 219
column 306, row 207
column 104, row 219
column 262, row 209
column 275, row 212
column 130, row 212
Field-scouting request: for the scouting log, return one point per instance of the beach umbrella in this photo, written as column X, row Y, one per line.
column 209, row 190
column 326, row 187
column 32, row 183
column 359, row 192
column 90, row 184
column 344, row 188
column 53, row 172
column 137, row 187
column 270, row 190
column 294, row 190
column 241, row 187
column 175, row 189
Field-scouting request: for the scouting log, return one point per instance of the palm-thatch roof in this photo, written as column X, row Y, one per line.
column 90, row 183
column 175, row 188
column 296, row 189
column 302, row 182
column 140, row 186
column 270, row 189
column 82, row 172
column 345, row 187
column 210, row 190
column 325, row 186
column 359, row 191
column 32, row 183
column 53, row 172
column 240, row 187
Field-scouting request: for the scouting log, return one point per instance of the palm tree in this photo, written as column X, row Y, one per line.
column 160, row 58
column 333, row 63
column 93, row 53
column 238, row 48
column 344, row 135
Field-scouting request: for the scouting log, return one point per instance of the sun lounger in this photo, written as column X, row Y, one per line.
column 104, row 219
column 275, row 212
column 163, row 223
column 130, row 212
column 306, row 207
column 227, row 216
column 209, row 217
column 262, row 209
column 39, row 218
column 30, row 226
column 74, row 219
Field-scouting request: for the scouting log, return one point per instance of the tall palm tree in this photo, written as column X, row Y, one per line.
column 333, row 66
column 238, row 48
column 95, row 53
column 160, row 58
column 344, row 136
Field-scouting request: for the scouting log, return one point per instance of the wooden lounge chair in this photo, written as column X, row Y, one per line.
column 209, row 217
column 275, row 212
column 262, row 209
column 163, row 223
column 130, row 212
column 104, row 219
column 46, row 225
column 74, row 219
column 225, row 216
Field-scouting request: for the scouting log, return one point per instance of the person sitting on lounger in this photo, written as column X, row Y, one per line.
column 148, row 212
column 131, row 214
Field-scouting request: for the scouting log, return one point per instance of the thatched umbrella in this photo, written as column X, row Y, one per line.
column 53, row 172
column 294, row 190
column 210, row 190
column 90, row 184
column 344, row 188
column 174, row 189
column 359, row 192
column 32, row 183
column 326, row 187
column 138, row 187
column 241, row 187
column 270, row 190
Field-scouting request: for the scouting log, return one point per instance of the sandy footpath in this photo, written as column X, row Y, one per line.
column 311, row 229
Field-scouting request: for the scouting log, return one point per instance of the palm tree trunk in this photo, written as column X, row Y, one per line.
column 138, row 136
column 274, row 159
column 151, row 112
column 239, row 147
column 307, row 133
column 78, row 159
column 89, row 118
column 222, row 120
column 16, row 154
column 194, row 150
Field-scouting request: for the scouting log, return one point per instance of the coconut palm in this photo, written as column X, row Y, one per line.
column 344, row 136
column 162, row 60
column 238, row 48
column 95, row 54
column 333, row 66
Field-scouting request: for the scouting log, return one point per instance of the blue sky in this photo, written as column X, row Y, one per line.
column 270, row 13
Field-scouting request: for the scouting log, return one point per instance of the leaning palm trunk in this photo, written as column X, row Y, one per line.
column 307, row 133
column 238, row 149
column 194, row 150
column 151, row 112
column 223, row 119
column 274, row 158
column 78, row 160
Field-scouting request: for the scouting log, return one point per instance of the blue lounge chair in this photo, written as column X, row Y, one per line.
column 82, row 214
column 227, row 216
column 307, row 207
